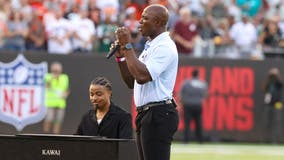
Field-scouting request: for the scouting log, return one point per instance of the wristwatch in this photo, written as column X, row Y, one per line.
column 127, row 46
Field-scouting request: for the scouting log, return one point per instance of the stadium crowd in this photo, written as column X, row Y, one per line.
column 201, row 28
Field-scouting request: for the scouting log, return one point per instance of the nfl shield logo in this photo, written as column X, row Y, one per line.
column 22, row 92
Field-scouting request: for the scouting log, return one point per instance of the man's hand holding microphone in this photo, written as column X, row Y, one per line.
column 122, row 44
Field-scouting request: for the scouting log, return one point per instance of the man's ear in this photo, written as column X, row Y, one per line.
column 110, row 94
column 156, row 21
column 160, row 22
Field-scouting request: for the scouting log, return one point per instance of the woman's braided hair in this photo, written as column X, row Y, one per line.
column 102, row 81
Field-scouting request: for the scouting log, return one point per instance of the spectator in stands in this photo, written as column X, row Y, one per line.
column 131, row 3
column 185, row 32
column 95, row 15
column 192, row 94
column 244, row 36
column 271, row 35
column 197, row 7
column 26, row 10
column 173, row 8
column 2, row 27
column 222, row 30
column 281, row 10
column 39, row 7
column 275, row 7
column 222, row 41
column 273, row 98
column 217, row 9
column 106, row 33
column 281, row 23
column 36, row 38
column 59, row 32
column 130, row 21
column 48, row 16
column 204, row 47
column 5, row 10
column 84, row 33
column 73, row 14
column 4, row 14
column 105, row 118
column 2, row 31
column 231, row 21
column 57, row 91
column 17, row 31
column 109, row 9
column 233, row 10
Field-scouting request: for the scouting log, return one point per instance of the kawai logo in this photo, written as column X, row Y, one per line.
column 50, row 152
column 22, row 92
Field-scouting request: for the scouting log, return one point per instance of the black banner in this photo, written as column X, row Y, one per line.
column 234, row 109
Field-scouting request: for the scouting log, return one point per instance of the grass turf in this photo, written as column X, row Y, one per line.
column 227, row 151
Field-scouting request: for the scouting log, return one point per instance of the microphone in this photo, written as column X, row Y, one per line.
column 112, row 52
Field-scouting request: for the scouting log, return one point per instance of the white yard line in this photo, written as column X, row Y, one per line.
column 229, row 149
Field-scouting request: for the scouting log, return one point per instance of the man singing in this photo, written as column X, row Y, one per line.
column 152, row 76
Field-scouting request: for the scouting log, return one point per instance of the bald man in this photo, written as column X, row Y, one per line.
column 152, row 76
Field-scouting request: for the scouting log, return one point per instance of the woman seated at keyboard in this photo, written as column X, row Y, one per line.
column 105, row 119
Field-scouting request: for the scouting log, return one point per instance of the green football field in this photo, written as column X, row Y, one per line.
column 227, row 151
